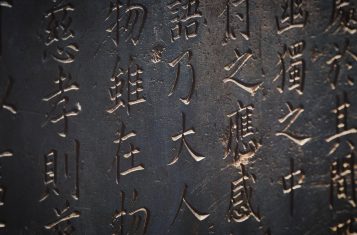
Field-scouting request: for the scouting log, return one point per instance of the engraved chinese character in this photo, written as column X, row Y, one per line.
column 240, row 208
column 130, row 80
column 176, row 62
column 242, row 144
column 121, row 139
column 128, row 19
column 342, row 184
column 185, row 20
column 346, row 226
column 58, row 29
column 293, row 69
column 2, row 187
column 292, row 182
column 341, row 64
column 235, row 66
column 11, row 109
column 7, row 153
column 7, row 4
column 59, row 24
column 181, row 136
column 198, row 215
column 343, row 17
column 59, row 100
column 293, row 16
column 66, row 54
column 237, row 17
column 51, row 172
column 3, row 100
column 138, row 218
column 290, row 119
column 342, row 129
column 63, row 223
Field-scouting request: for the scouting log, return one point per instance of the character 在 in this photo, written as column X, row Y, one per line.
column 122, row 138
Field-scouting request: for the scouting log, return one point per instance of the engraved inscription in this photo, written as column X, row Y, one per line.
column 126, row 81
column 237, row 17
column 7, row 4
column 292, row 72
column 138, row 218
column 341, row 63
column 235, row 66
column 126, row 19
column 3, row 101
column 343, row 17
column 59, row 101
column 240, row 208
column 58, row 32
column 293, row 16
column 289, row 119
column 342, row 129
column 198, row 215
column 242, row 143
column 129, row 155
column 181, row 136
column 342, row 185
column 292, row 182
column 63, row 223
column 176, row 62
column 185, row 18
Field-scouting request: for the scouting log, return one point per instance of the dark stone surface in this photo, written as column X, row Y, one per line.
column 90, row 56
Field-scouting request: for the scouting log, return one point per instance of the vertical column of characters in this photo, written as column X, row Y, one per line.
column 61, row 168
column 126, row 22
